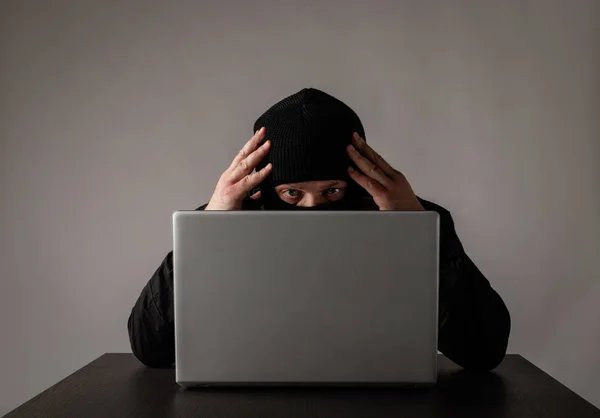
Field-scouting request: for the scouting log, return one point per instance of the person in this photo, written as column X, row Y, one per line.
column 309, row 151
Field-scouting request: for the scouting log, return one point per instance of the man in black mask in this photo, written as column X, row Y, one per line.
column 309, row 153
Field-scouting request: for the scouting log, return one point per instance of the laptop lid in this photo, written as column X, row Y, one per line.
column 305, row 297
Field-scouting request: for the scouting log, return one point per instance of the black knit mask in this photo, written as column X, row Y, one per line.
column 309, row 132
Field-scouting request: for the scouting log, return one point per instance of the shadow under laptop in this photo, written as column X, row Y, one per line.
column 477, row 393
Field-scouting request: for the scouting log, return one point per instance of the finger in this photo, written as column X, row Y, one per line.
column 368, row 168
column 248, row 148
column 256, row 195
column 249, row 163
column 250, row 181
column 372, row 186
column 361, row 145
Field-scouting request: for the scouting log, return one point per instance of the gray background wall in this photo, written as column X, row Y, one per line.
column 114, row 114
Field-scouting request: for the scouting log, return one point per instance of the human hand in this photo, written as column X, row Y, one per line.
column 388, row 187
column 235, row 183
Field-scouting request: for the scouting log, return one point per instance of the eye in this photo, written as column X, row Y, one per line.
column 333, row 191
column 291, row 193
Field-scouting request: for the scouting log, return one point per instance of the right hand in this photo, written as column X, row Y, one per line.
column 238, row 180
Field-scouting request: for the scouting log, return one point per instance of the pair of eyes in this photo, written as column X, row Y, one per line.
column 293, row 193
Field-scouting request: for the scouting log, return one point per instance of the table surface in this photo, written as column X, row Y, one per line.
column 117, row 385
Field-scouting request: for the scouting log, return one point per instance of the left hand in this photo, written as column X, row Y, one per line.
column 389, row 187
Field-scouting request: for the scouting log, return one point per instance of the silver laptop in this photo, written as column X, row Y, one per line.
column 325, row 298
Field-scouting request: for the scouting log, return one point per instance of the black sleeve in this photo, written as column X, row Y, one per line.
column 474, row 323
column 151, row 325
column 151, row 322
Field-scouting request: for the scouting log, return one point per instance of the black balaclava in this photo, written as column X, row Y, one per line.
column 309, row 132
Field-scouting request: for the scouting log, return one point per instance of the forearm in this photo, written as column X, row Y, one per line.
column 151, row 322
column 474, row 323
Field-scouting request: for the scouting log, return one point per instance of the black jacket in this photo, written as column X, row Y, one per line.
column 474, row 323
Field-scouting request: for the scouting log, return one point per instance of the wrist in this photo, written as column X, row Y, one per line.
column 406, row 206
column 221, row 206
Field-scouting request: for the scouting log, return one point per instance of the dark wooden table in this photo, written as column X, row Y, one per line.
column 116, row 385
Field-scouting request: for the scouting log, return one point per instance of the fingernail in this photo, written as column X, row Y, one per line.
column 261, row 130
column 351, row 148
column 350, row 169
column 266, row 144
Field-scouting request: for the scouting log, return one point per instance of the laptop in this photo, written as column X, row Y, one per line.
column 305, row 298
